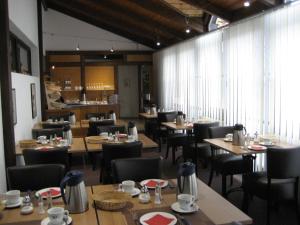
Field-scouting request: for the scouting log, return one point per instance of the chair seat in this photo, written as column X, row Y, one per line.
column 228, row 164
column 176, row 139
column 256, row 184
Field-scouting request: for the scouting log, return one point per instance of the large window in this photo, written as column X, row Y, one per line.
column 20, row 56
column 246, row 73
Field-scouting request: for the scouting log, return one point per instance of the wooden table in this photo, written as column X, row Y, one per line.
column 174, row 126
column 39, row 125
column 147, row 143
column 13, row 216
column 214, row 206
column 78, row 146
column 148, row 116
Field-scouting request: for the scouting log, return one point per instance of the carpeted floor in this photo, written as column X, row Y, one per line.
column 283, row 215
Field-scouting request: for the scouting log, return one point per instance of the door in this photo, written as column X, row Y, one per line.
column 128, row 91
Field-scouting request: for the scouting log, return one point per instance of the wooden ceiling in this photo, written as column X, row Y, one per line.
column 149, row 21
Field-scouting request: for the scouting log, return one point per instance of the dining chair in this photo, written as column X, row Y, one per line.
column 95, row 115
column 224, row 163
column 117, row 151
column 34, row 177
column 47, row 132
column 47, row 125
column 65, row 116
column 94, row 126
column 278, row 183
column 136, row 169
column 197, row 148
column 112, row 129
column 47, row 156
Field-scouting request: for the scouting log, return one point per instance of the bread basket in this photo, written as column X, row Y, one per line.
column 111, row 200
column 28, row 143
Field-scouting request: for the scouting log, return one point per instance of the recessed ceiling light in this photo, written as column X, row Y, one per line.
column 187, row 30
column 53, row 67
column 158, row 43
column 246, row 3
column 112, row 49
column 105, row 57
column 77, row 47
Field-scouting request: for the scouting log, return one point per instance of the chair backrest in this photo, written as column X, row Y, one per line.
column 219, row 132
column 283, row 163
column 50, row 156
column 112, row 129
column 201, row 130
column 55, row 125
column 136, row 169
column 94, row 126
column 35, row 177
column 99, row 115
column 119, row 151
column 47, row 132
column 166, row 116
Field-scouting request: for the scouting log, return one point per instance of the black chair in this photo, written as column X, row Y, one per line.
column 136, row 169
column 226, row 164
column 197, row 148
column 279, row 183
column 112, row 129
column 95, row 115
column 47, row 125
column 35, row 177
column 47, row 132
column 51, row 156
column 94, row 126
column 117, row 151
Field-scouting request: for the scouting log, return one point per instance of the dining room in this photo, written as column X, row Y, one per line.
column 155, row 112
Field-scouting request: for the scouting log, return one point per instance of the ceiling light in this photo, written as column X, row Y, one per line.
column 53, row 67
column 77, row 48
column 112, row 49
column 158, row 43
column 105, row 57
column 187, row 30
column 246, row 3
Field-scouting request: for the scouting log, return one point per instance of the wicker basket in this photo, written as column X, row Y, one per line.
column 111, row 200
column 28, row 143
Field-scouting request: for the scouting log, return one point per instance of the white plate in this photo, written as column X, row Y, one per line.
column 259, row 147
column 45, row 190
column 266, row 144
column 227, row 139
column 44, row 147
column 150, row 215
column 47, row 220
column 165, row 183
column 19, row 203
column 175, row 206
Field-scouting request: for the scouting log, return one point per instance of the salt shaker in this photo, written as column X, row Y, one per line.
column 27, row 206
column 41, row 209
column 144, row 196
column 49, row 199
column 157, row 196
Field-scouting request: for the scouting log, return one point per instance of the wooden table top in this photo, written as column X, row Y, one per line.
column 239, row 150
column 148, row 116
column 214, row 206
column 78, row 146
column 174, row 126
column 13, row 216
column 147, row 143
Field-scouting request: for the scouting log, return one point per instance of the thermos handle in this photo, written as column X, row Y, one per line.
column 62, row 187
column 245, row 130
column 179, row 180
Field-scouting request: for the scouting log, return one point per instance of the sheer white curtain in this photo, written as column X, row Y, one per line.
column 282, row 73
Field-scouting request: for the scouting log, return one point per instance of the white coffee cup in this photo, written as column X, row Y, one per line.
column 12, row 197
column 56, row 215
column 128, row 186
column 229, row 136
column 185, row 201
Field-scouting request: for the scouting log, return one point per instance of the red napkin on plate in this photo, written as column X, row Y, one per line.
column 54, row 192
column 153, row 183
column 159, row 220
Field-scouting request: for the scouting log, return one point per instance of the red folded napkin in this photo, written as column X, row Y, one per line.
column 54, row 192
column 159, row 220
column 153, row 183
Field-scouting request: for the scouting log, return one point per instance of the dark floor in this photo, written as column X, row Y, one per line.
column 284, row 215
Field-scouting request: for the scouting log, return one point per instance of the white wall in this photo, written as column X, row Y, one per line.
column 62, row 32
column 2, row 161
column 24, row 24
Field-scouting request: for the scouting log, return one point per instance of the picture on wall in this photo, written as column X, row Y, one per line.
column 33, row 100
column 14, row 105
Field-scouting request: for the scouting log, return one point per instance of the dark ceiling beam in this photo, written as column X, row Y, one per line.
column 109, row 25
column 114, row 10
column 168, row 15
column 210, row 8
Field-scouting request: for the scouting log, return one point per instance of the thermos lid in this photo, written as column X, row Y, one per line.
column 238, row 126
column 186, row 169
column 75, row 177
column 111, row 112
column 66, row 128
column 131, row 124
column 72, row 114
column 180, row 113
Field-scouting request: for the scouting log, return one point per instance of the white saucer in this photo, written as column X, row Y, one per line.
column 135, row 192
column 227, row 139
column 18, row 204
column 47, row 220
column 175, row 206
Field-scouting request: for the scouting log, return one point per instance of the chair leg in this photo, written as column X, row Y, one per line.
column 173, row 154
column 211, row 174
column 245, row 204
column 224, row 186
column 167, row 152
column 296, row 199
column 231, row 180
column 268, row 202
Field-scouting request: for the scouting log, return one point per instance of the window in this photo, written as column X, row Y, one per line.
column 20, row 56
